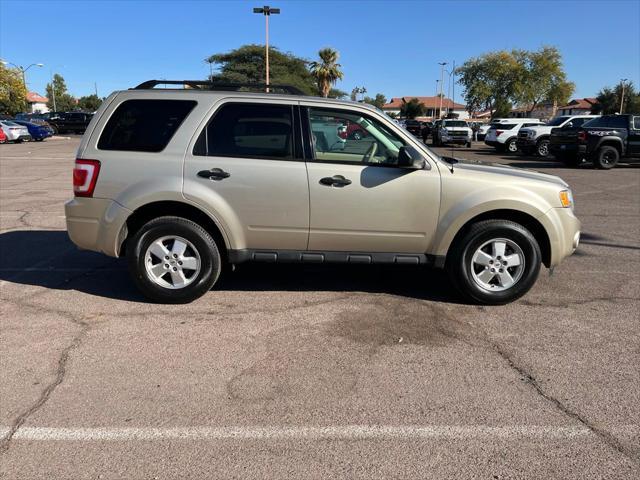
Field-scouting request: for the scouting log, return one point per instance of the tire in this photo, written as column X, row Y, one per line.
column 468, row 144
column 466, row 274
column 201, row 251
column 356, row 136
column 511, row 146
column 607, row 157
column 542, row 148
column 55, row 129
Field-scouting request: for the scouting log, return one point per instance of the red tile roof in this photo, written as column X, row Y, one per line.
column 33, row 97
column 581, row 103
column 429, row 102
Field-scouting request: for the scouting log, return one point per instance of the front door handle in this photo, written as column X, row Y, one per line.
column 214, row 174
column 335, row 181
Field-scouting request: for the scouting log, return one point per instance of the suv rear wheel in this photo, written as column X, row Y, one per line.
column 495, row 262
column 173, row 260
column 511, row 146
column 607, row 157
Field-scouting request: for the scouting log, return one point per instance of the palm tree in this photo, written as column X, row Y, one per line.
column 327, row 72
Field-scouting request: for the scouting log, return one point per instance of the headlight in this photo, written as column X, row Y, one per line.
column 566, row 199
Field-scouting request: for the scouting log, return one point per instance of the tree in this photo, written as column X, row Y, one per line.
column 63, row 101
column 541, row 78
column 326, row 72
column 412, row 109
column 378, row 101
column 13, row 94
column 609, row 100
column 496, row 79
column 247, row 65
column 89, row 103
column 489, row 80
column 337, row 93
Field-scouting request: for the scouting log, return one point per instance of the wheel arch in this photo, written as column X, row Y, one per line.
column 525, row 219
column 612, row 142
column 152, row 210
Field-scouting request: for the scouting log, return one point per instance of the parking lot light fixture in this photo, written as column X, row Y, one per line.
column 442, row 65
column 267, row 11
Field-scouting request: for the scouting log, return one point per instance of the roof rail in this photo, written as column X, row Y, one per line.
column 208, row 85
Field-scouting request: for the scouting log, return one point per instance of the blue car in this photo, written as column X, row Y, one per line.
column 37, row 132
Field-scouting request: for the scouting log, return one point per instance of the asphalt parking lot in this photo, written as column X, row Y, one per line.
column 315, row 371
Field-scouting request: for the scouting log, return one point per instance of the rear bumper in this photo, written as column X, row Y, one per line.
column 492, row 143
column 96, row 224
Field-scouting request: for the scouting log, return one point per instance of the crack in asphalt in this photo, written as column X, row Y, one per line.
column 49, row 389
column 607, row 437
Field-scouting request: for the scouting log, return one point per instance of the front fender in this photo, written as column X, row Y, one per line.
column 455, row 216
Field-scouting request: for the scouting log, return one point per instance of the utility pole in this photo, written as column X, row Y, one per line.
column 453, row 86
column 435, row 103
column 95, row 84
column 442, row 64
column 623, row 81
column 267, row 11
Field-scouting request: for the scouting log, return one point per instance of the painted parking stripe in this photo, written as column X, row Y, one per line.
column 349, row 432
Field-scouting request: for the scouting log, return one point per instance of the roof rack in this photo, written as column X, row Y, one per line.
column 233, row 87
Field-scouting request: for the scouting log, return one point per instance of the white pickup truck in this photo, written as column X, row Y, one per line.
column 453, row 131
column 536, row 139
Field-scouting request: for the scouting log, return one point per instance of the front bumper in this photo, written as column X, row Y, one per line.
column 96, row 224
column 456, row 140
column 526, row 143
column 563, row 228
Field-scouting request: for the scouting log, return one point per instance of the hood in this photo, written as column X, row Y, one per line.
column 537, row 128
column 499, row 169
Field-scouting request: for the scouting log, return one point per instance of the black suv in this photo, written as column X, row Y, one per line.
column 414, row 127
column 73, row 122
column 603, row 141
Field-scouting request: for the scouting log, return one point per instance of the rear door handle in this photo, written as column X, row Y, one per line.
column 335, row 181
column 214, row 174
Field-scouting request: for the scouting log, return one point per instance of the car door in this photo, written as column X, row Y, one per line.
column 246, row 167
column 360, row 201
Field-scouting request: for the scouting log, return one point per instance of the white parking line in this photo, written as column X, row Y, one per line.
column 349, row 432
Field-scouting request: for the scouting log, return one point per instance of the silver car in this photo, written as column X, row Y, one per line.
column 14, row 131
column 183, row 181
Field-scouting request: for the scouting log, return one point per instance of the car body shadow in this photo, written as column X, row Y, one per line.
column 48, row 259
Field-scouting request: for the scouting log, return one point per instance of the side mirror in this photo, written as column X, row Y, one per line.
column 409, row 157
column 568, row 125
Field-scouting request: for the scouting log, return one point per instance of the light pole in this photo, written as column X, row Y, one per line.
column 267, row 11
column 435, row 103
column 24, row 77
column 442, row 64
column 623, row 81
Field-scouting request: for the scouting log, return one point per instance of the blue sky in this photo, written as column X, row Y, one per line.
column 391, row 47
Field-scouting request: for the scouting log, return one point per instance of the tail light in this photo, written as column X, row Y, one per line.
column 499, row 132
column 85, row 175
column 582, row 136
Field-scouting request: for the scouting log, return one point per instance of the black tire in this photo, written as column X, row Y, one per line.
column 542, row 148
column 459, row 261
column 468, row 144
column 55, row 129
column 210, row 259
column 356, row 136
column 511, row 146
column 607, row 157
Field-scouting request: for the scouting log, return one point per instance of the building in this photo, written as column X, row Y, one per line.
column 432, row 106
column 543, row 111
column 37, row 103
column 578, row 106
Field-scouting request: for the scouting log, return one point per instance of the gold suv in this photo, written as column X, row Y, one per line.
column 184, row 180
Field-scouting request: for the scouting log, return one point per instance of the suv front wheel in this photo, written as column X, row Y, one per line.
column 173, row 260
column 494, row 262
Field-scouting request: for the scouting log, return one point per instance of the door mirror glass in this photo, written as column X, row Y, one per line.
column 568, row 125
column 409, row 157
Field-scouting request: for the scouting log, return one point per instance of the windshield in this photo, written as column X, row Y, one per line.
column 455, row 123
column 554, row 122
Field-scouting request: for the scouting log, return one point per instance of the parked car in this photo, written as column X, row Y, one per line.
column 328, row 133
column 172, row 179
column 15, row 132
column 355, row 132
column 37, row 132
column 414, row 127
column 482, row 131
column 608, row 139
column 3, row 136
column 37, row 118
column 503, row 133
column 537, row 139
column 453, row 131
column 72, row 122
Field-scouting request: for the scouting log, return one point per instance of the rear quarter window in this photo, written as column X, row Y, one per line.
column 144, row 125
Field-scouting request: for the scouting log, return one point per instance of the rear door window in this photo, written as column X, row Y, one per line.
column 636, row 123
column 144, row 125
column 619, row 122
column 249, row 131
